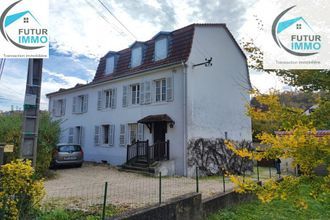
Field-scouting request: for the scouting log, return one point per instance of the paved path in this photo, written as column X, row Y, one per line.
column 84, row 186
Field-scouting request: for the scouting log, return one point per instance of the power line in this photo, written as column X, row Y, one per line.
column 117, row 29
column 117, row 19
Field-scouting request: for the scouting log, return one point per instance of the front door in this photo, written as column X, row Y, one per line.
column 159, row 139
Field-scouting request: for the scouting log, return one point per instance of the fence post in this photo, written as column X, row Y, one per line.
column 197, row 179
column 223, row 181
column 104, row 199
column 160, row 188
column 258, row 171
column 127, row 153
column 137, row 149
column 270, row 172
column 168, row 150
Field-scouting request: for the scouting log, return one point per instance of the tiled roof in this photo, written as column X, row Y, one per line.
column 178, row 51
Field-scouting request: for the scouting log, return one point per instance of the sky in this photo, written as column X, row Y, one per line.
column 82, row 31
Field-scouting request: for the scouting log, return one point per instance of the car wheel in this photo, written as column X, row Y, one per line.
column 79, row 165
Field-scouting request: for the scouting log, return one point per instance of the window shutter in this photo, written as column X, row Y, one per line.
column 147, row 95
column 97, row 135
column 141, row 93
column 74, row 105
column 70, row 137
column 111, row 134
column 122, row 136
column 125, row 96
column 63, row 107
column 153, row 92
column 82, row 136
column 169, row 89
column 99, row 100
column 140, row 131
column 85, row 104
column 114, row 98
column 54, row 108
column 129, row 95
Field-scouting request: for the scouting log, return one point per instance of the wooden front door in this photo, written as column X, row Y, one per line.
column 159, row 139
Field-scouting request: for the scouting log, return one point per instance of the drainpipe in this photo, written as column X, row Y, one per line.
column 184, row 119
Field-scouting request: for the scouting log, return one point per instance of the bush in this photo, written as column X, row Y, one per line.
column 20, row 192
column 49, row 131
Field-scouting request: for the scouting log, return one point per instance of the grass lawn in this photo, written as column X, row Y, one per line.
column 282, row 209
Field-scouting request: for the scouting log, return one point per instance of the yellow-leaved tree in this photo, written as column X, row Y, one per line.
column 299, row 142
column 20, row 192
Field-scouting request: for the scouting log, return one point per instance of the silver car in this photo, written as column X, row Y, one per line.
column 67, row 154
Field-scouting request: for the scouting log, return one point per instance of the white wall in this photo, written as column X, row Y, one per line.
column 117, row 155
column 217, row 94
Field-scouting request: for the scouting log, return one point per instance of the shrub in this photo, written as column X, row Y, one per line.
column 10, row 132
column 20, row 192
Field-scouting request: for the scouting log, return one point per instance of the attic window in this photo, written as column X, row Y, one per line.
column 136, row 58
column 161, row 47
column 109, row 65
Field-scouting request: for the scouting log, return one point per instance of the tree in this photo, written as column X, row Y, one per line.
column 10, row 132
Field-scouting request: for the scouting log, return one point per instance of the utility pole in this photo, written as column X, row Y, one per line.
column 31, row 111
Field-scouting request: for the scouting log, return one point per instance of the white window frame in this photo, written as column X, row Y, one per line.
column 59, row 106
column 135, row 94
column 109, row 65
column 133, row 133
column 161, row 48
column 122, row 135
column 160, row 90
column 80, row 104
column 136, row 56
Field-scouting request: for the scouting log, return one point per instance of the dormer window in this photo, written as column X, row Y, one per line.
column 109, row 65
column 136, row 58
column 161, row 47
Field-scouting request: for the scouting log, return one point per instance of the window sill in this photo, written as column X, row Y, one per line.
column 103, row 146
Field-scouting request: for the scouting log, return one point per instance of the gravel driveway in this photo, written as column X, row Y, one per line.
column 83, row 187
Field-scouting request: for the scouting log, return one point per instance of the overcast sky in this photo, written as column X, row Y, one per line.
column 81, row 31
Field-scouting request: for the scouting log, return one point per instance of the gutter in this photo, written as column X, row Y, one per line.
column 185, row 161
column 116, row 79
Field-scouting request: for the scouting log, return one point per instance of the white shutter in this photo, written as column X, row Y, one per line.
column 125, row 96
column 85, row 103
column 53, row 108
column 97, row 135
column 63, row 107
column 82, row 136
column 99, row 100
column 169, row 89
column 141, row 93
column 147, row 95
column 114, row 98
column 153, row 91
column 140, row 132
column 122, row 135
column 129, row 95
column 111, row 134
column 74, row 105
column 70, row 137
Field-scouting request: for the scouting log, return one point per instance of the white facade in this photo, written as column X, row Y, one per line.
column 207, row 102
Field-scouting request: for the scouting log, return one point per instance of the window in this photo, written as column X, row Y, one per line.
column 104, row 135
column 107, row 99
column 136, row 58
column 161, row 46
column 58, row 109
column 76, row 135
column 122, row 136
column 135, row 94
column 80, row 104
column 160, row 90
column 109, row 65
column 132, row 133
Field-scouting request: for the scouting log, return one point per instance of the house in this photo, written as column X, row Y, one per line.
column 189, row 83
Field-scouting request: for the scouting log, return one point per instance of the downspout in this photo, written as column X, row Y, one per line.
column 185, row 173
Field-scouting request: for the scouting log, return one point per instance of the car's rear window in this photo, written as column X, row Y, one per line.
column 69, row 148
